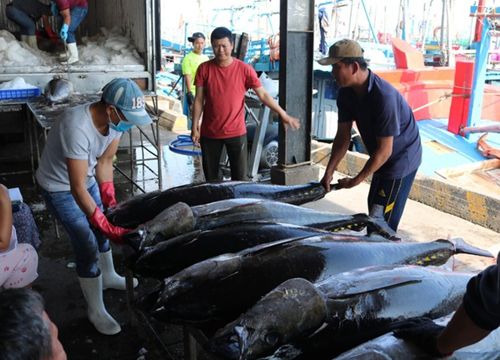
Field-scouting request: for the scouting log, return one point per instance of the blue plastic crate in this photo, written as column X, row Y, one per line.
column 19, row 93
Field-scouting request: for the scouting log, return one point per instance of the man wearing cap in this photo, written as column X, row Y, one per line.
column 221, row 84
column 387, row 127
column 190, row 64
column 76, row 177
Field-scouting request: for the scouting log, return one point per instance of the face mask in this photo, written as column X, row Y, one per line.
column 122, row 126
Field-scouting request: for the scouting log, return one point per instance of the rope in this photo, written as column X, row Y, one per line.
column 184, row 141
column 438, row 100
column 447, row 95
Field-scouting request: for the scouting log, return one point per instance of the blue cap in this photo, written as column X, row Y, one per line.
column 126, row 96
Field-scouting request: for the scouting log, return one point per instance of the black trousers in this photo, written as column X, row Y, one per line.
column 236, row 147
column 388, row 198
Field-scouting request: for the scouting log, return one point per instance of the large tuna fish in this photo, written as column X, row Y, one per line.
column 388, row 347
column 140, row 209
column 180, row 218
column 168, row 257
column 353, row 303
column 223, row 287
column 58, row 90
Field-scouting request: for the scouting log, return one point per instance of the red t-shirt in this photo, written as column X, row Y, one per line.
column 224, row 89
column 70, row 4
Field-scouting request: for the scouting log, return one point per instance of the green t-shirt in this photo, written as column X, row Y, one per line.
column 190, row 64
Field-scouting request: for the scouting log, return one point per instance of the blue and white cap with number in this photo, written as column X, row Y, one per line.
column 126, row 96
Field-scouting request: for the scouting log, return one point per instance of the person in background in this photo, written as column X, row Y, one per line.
column 27, row 331
column 477, row 316
column 72, row 12
column 221, row 84
column 190, row 64
column 76, row 178
column 26, row 13
column 387, row 127
column 324, row 26
column 18, row 262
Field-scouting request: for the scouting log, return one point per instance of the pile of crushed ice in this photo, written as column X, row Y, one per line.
column 109, row 47
column 17, row 83
column 16, row 53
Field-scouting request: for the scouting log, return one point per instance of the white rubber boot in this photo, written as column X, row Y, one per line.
column 110, row 279
column 31, row 41
column 96, row 312
column 24, row 39
column 73, row 54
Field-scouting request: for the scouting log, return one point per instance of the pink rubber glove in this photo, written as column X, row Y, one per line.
column 107, row 190
column 101, row 223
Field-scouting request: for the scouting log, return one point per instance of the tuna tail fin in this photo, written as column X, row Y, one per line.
column 461, row 247
column 379, row 226
column 134, row 239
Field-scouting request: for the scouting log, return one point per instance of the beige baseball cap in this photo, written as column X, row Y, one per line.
column 342, row 49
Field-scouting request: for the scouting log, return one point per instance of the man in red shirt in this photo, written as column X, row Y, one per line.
column 72, row 12
column 221, row 84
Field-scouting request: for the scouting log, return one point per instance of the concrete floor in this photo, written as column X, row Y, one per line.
column 58, row 282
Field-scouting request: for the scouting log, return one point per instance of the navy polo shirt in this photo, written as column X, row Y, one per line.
column 384, row 112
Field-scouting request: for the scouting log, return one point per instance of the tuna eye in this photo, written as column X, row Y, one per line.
column 272, row 338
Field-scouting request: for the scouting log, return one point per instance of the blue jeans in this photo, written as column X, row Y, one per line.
column 25, row 22
column 388, row 196
column 86, row 242
column 77, row 16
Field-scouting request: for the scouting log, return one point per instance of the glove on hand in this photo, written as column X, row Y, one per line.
column 63, row 34
column 101, row 223
column 107, row 190
column 422, row 332
column 190, row 98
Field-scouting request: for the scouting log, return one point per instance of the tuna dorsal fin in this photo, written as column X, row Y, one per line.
column 275, row 244
column 461, row 247
column 365, row 284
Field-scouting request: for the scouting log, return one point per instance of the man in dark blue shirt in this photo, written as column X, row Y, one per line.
column 387, row 127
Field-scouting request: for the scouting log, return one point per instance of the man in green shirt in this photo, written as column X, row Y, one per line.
column 190, row 64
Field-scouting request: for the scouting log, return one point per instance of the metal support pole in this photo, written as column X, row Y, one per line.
column 372, row 30
column 295, row 88
column 479, row 24
column 190, row 346
column 441, row 36
column 476, row 99
column 258, row 141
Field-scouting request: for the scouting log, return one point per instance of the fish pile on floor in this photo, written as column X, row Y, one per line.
column 263, row 276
